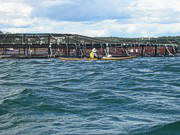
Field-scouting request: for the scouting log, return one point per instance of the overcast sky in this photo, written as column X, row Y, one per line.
column 122, row 18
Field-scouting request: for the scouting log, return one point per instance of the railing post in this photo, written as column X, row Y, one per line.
column 155, row 50
column 142, row 50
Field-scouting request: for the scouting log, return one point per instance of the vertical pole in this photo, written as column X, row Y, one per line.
column 19, row 51
column 124, row 50
column 3, row 51
column 49, row 46
column 166, row 52
column 27, row 51
column 50, row 50
column 35, row 51
column 65, row 49
column 171, row 50
column 55, row 49
column 68, row 53
column 24, row 51
column 23, row 41
column 30, row 50
column 155, row 50
column 25, row 45
column 176, row 49
column 68, row 48
column 142, row 50
column 77, row 51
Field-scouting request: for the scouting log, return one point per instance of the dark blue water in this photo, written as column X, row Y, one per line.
column 136, row 96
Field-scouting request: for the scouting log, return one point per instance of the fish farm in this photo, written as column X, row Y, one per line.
column 39, row 45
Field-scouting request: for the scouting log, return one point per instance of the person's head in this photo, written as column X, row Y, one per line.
column 94, row 50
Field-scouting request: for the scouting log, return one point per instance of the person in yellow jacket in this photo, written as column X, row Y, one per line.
column 93, row 54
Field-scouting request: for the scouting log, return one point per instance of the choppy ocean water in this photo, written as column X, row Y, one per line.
column 135, row 96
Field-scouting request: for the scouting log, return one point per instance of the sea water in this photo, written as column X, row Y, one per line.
column 48, row 96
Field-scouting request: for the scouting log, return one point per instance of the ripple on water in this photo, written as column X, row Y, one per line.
column 136, row 96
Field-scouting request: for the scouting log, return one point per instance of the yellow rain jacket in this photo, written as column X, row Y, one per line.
column 92, row 55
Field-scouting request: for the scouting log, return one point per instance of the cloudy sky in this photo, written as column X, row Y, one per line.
column 123, row 18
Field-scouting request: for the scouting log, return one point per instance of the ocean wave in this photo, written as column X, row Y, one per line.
column 166, row 129
column 137, row 96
